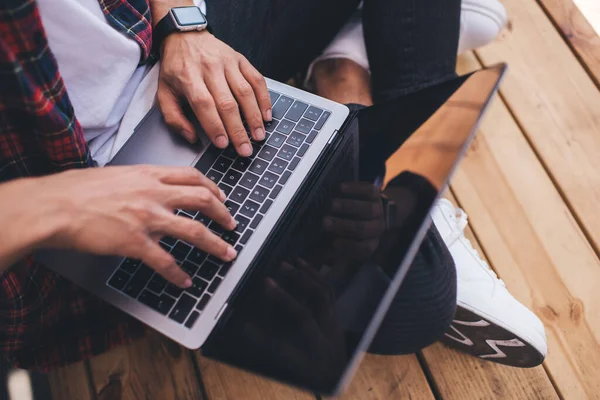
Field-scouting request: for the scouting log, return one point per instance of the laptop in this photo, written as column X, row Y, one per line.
column 279, row 196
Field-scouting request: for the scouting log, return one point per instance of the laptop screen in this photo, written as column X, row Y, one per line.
column 314, row 302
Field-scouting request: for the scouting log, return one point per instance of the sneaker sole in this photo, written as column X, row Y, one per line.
column 481, row 337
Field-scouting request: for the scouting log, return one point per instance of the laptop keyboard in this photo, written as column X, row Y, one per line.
column 251, row 185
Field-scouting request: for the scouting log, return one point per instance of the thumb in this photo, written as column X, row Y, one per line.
column 173, row 114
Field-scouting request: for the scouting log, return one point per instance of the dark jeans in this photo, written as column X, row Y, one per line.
column 411, row 44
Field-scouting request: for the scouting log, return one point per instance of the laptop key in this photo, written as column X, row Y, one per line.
column 275, row 191
column 182, row 247
column 305, row 125
column 203, row 302
column 294, row 163
column 170, row 240
column 284, row 178
column 214, row 285
column 285, row 127
column 214, row 176
column 232, row 207
column 178, row 255
column 281, row 107
column 249, row 209
column 241, row 164
column 242, row 222
column 198, row 287
column 259, row 194
column 239, row 194
column 232, row 177
column 157, row 283
column 119, row 280
column 246, row 237
column 207, row 159
column 208, row 270
column 274, row 96
column 313, row 113
column 311, row 136
column 224, row 269
column 271, row 125
column 130, row 265
column 203, row 219
column 189, row 268
column 165, row 303
column 258, row 166
column 137, row 282
column 267, row 153
column 268, row 179
column 229, row 152
column 255, row 222
column 302, row 150
column 182, row 308
column 231, row 237
column 287, row 152
column 172, row 290
column 266, row 206
column 322, row 120
column 150, row 299
column 196, row 256
column 278, row 166
column 276, row 140
column 296, row 139
column 249, row 180
column 296, row 110
column 222, row 164
column 225, row 188
column 192, row 319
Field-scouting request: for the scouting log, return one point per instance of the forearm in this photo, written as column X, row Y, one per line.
column 27, row 219
column 160, row 8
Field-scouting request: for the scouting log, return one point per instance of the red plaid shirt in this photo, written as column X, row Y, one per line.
column 44, row 320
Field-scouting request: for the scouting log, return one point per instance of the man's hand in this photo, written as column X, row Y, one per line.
column 216, row 82
column 113, row 211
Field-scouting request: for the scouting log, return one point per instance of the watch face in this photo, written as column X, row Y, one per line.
column 187, row 16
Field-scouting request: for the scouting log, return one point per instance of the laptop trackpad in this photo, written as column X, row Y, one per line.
column 153, row 143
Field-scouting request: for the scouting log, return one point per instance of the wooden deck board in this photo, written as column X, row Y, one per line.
column 154, row 368
column 536, row 245
column 556, row 103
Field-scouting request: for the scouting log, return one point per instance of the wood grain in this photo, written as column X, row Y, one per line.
column 579, row 33
column 556, row 104
column 389, row 377
column 70, row 383
column 152, row 368
column 225, row 382
column 535, row 245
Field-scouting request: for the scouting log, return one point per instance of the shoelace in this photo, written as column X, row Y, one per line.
column 459, row 217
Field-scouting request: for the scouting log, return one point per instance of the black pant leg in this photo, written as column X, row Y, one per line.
column 279, row 37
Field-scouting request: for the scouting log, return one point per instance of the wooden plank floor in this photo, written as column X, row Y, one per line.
column 531, row 187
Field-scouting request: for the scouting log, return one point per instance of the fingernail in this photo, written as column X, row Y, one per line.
column 222, row 195
column 260, row 134
column 269, row 114
column 221, row 141
column 187, row 283
column 246, row 150
column 190, row 137
column 233, row 223
column 231, row 253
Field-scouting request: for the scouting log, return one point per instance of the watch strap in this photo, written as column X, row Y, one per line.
column 164, row 28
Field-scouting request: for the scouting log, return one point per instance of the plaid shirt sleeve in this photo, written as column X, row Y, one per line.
column 44, row 320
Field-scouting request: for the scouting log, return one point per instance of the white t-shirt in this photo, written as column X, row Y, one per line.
column 99, row 65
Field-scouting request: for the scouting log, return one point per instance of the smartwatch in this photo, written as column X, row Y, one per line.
column 179, row 19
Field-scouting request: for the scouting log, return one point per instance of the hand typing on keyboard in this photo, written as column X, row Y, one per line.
column 119, row 211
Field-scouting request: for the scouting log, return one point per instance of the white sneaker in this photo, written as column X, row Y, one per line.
column 489, row 322
column 480, row 23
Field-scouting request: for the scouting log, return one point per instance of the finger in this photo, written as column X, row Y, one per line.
column 258, row 83
column 198, row 198
column 204, row 107
column 354, row 229
column 357, row 209
column 187, row 176
column 228, row 109
column 173, row 114
column 360, row 190
column 244, row 93
column 196, row 234
column 162, row 262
